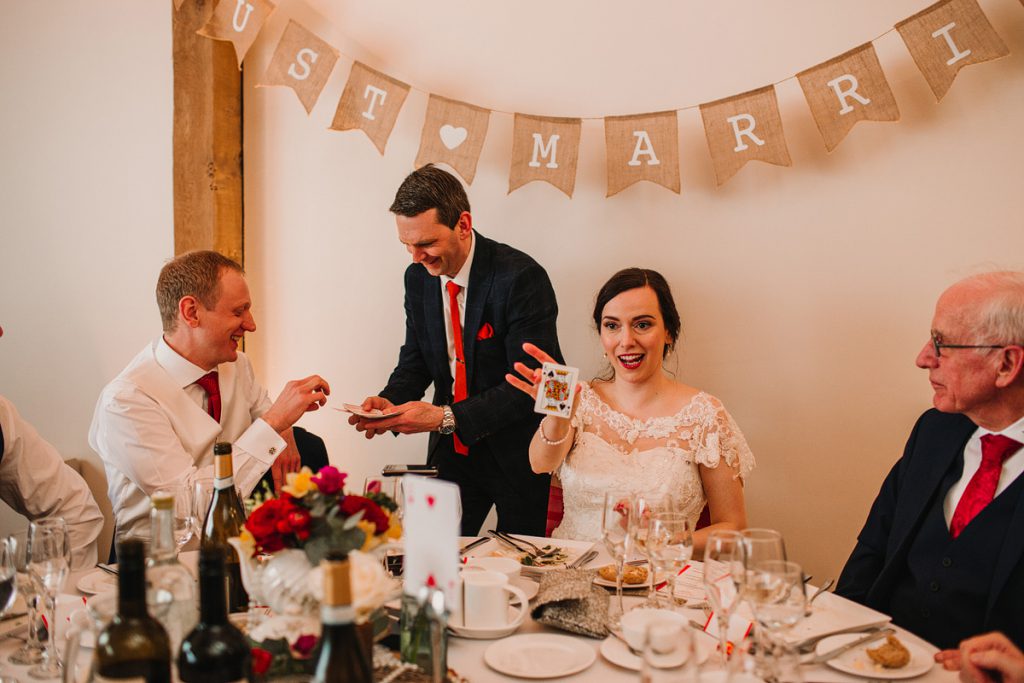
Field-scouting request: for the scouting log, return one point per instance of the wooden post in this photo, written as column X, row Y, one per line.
column 208, row 207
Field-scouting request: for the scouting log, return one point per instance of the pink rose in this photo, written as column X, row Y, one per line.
column 329, row 480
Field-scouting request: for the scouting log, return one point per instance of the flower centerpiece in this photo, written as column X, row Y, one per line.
column 281, row 547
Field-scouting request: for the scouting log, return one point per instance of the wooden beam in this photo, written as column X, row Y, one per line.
column 208, row 207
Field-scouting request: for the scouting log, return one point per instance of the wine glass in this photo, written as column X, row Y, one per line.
column 32, row 651
column 49, row 563
column 761, row 545
column 202, row 494
column 669, row 548
column 185, row 524
column 723, row 566
column 775, row 591
column 8, row 581
column 616, row 527
column 644, row 506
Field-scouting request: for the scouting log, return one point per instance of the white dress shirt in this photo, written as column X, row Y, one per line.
column 462, row 280
column 37, row 483
column 1012, row 466
column 152, row 430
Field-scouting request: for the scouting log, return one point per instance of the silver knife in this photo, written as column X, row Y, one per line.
column 831, row 654
column 472, row 544
column 583, row 559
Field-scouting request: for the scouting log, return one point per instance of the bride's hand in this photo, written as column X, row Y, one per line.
column 530, row 375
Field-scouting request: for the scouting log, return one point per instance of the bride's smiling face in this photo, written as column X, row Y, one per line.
column 633, row 334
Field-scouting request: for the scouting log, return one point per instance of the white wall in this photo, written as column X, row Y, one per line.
column 805, row 292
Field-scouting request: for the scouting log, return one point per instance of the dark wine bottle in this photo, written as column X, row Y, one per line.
column 343, row 659
column 224, row 520
column 214, row 651
column 133, row 646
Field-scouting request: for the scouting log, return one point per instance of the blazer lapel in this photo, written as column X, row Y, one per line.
column 1009, row 555
column 433, row 312
column 480, row 278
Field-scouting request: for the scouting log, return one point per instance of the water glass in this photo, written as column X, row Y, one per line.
column 616, row 526
column 723, row 576
column 49, row 563
column 775, row 591
column 185, row 523
column 669, row 548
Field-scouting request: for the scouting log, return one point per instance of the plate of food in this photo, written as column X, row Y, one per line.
column 633, row 576
column 556, row 552
column 897, row 657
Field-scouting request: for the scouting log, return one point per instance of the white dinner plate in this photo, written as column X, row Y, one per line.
column 831, row 613
column 689, row 584
column 573, row 550
column 857, row 663
column 96, row 581
column 540, row 655
column 618, row 653
column 528, row 587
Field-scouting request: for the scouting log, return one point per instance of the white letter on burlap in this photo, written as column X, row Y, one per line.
column 630, row 144
column 300, row 59
column 372, row 92
column 302, row 62
column 378, row 119
column 545, row 150
column 740, row 132
column 837, row 85
column 730, row 123
column 239, row 26
column 238, row 22
column 643, row 146
column 957, row 54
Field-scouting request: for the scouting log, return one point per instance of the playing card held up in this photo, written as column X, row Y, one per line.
column 556, row 390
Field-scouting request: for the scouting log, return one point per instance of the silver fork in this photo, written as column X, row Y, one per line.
column 501, row 538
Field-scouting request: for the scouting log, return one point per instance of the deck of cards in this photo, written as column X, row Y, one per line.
column 556, row 390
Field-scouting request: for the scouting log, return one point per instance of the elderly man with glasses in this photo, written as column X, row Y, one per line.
column 942, row 550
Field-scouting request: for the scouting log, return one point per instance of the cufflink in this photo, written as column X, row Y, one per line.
column 273, row 450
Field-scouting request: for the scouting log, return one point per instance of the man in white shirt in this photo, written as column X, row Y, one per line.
column 156, row 423
column 942, row 550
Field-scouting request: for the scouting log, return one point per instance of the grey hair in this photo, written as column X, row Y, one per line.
column 1000, row 316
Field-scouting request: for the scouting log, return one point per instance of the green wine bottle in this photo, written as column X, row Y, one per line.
column 223, row 521
column 343, row 659
column 133, row 646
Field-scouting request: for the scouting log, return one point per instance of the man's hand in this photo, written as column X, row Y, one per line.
column 991, row 658
column 298, row 396
column 371, row 427
column 409, row 418
column 288, row 460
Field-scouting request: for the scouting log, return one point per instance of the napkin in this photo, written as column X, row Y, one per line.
column 568, row 600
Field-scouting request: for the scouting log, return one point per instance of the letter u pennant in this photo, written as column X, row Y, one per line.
column 238, row 21
column 544, row 149
column 744, row 128
column 303, row 62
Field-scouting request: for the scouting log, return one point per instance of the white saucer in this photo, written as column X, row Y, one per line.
column 857, row 662
column 96, row 581
column 527, row 586
column 487, row 633
column 540, row 655
column 618, row 653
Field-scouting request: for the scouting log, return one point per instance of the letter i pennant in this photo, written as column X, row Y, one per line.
column 370, row 102
column 744, row 128
column 238, row 21
column 544, row 148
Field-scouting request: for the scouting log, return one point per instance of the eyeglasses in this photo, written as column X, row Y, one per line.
column 939, row 345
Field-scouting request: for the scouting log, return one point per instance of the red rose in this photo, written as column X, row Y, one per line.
column 303, row 646
column 350, row 505
column 261, row 660
column 269, row 523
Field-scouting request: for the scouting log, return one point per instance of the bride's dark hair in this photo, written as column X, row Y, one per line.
column 635, row 278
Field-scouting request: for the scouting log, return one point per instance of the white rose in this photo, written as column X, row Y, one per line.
column 371, row 585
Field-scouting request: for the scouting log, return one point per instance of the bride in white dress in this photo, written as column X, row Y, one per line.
column 640, row 430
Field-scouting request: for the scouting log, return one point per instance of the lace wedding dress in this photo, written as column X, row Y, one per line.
column 656, row 456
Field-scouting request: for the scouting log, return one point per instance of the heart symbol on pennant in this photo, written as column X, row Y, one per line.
column 430, row 501
column 452, row 137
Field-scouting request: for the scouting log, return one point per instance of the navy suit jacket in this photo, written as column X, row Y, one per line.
column 879, row 560
column 509, row 301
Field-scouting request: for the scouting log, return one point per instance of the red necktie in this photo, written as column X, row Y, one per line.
column 210, row 384
column 981, row 489
column 460, row 359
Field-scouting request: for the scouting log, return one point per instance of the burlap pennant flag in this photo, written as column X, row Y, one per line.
column 642, row 147
column 948, row 36
column 544, row 148
column 238, row 21
column 370, row 102
column 847, row 89
column 453, row 133
column 302, row 62
column 744, row 128
column 179, row 3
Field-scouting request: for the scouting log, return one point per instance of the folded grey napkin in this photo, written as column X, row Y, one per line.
column 568, row 599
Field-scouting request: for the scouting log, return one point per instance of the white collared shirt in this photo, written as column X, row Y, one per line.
column 462, row 280
column 1012, row 466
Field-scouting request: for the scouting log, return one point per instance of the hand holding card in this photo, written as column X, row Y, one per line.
column 371, row 414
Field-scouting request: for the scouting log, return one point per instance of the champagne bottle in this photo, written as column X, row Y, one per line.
column 215, row 651
column 223, row 521
column 170, row 587
column 343, row 659
column 133, row 646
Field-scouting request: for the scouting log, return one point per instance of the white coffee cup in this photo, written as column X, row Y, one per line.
column 485, row 600
column 502, row 565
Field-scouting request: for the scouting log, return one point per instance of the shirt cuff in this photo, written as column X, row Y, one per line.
column 261, row 442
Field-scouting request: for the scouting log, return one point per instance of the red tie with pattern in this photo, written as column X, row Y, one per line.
column 981, row 489
column 210, row 384
column 460, row 359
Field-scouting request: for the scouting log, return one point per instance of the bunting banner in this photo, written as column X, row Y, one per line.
column 370, row 102
column 744, row 128
column 453, row 133
column 179, row 3
column 948, row 36
column 302, row 62
column 238, row 21
column 642, row 147
column 847, row 89
column 544, row 148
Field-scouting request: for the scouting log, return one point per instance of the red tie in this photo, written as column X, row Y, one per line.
column 212, row 387
column 981, row 489
column 460, row 359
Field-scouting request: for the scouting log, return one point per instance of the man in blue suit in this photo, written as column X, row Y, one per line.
column 470, row 304
column 942, row 550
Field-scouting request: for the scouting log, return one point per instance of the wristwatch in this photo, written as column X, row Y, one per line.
column 447, row 421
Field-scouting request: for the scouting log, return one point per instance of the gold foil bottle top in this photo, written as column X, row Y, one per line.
column 337, row 584
column 223, row 466
column 162, row 500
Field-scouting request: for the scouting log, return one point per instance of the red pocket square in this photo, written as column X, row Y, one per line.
column 486, row 332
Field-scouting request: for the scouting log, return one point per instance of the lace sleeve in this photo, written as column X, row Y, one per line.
column 721, row 438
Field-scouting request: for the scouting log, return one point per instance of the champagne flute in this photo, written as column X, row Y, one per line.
column 49, row 563
column 644, row 506
column 669, row 548
column 616, row 526
column 775, row 591
column 32, row 651
column 723, row 563
column 202, row 495
column 8, row 581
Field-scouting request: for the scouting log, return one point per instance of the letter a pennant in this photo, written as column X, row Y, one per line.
column 302, row 62
column 847, row 89
column 238, row 21
column 371, row 102
column 948, row 36
column 642, row 147
column 744, row 128
column 453, row 134
column 544, row 148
